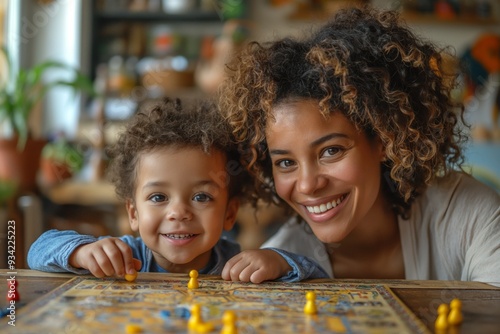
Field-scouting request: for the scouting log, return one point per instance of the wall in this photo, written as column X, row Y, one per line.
column 53, row 31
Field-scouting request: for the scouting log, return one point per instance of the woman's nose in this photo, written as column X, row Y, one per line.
column 179, row 211
column 310, row 180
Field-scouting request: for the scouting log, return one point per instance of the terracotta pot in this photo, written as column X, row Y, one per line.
column 21, row 166
column 53, row 172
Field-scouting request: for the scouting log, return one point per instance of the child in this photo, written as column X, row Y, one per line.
column 179, row 175
column 354, row 128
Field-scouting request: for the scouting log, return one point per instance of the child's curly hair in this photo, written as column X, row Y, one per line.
column 170, row 123
column 369, row 66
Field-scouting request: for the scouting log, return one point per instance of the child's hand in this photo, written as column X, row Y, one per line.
column 106, row 257
column 255, row 266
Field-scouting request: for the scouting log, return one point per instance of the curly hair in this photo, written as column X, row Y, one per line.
column 369, row 66
column 170, row 123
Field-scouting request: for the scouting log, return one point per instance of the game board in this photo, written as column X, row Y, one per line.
column 161, row 305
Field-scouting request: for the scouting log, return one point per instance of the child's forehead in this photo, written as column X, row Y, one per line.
column 187, row 156
column 210, row 152
column 182, row 172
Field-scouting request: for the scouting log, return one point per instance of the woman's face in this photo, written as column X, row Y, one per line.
column 325, row 169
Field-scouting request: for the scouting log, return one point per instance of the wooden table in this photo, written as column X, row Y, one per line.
column 481, row 302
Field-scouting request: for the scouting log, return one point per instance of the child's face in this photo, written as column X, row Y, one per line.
column 181, row 205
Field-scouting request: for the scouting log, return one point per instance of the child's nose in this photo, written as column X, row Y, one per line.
column 179, row 211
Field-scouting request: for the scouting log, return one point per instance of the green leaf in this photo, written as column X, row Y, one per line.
column 7, row 190
column 62, row 152
column 24, row 89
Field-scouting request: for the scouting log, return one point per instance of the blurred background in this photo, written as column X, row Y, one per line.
column 86, row 66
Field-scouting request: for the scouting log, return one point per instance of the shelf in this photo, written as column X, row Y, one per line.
column 412, row 17
column 140, row 47
column 305, row 13
column 82, row 193
column 199, row 16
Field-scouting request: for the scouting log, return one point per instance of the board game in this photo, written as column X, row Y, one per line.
column 163, row 304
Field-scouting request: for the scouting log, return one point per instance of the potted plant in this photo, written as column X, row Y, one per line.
column 59, row 161
column 20, row 93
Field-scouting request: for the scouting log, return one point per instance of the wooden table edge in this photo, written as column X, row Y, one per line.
column 392, row 283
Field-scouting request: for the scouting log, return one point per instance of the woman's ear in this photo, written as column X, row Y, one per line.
column 383, row 157
column 231, row 213
column 132, row 215
column 380, row 147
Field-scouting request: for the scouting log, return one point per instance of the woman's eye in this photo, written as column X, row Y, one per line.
column 157, row 198
column 285, row 163
column 201, row 198
column 332, row 151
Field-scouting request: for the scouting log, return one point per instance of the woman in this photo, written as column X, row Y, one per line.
column 354, row 128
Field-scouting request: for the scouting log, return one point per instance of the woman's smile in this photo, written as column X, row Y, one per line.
column 325, row 212
column 322, row 208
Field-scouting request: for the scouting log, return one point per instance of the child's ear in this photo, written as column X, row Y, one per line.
column 231, row 212
column 132, row 215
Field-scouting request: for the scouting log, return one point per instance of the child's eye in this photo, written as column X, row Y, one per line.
column 202, row 198
column 157, row 198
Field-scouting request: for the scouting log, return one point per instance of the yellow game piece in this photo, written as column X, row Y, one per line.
column 193, row 280
column 455, row 316
column 335, row 324
column 442, row 318
column 229, row 321
column 133, row 329
column 196, row 323
column 131, row 277
column 310, row 307
column 205, row 327
column 195, row 318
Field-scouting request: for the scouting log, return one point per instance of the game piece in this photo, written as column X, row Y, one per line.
column 182, row 312
column 335, row 324
column 455, row 316
column 133, row 329
column 131, row 277
column 229, row 323
column 196, row 323
column 164, row 314
column 195, row 318
column 204, row 327
column 310, row 307
column 193, row 280
column 12, row 293
column 442, row 318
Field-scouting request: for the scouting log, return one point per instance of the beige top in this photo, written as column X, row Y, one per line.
column 453, row 233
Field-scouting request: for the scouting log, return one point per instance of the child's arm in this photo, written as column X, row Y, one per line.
column 261, row 265
column 52, row 251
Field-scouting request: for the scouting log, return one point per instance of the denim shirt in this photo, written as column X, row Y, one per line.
column 51, row 252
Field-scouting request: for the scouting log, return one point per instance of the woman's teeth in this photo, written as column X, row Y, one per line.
column 179, row 236
column 325, row 207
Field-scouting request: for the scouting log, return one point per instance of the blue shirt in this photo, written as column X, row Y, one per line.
column 51, row 252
